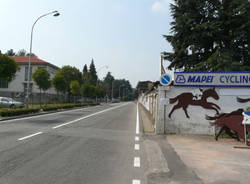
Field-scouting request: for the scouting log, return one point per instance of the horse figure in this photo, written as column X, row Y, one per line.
column 232, row 122
column 242, row 100
column 186, row 99
column 224, row 127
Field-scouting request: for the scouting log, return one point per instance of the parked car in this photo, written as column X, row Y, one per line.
column 10, row 103
column 115, row 100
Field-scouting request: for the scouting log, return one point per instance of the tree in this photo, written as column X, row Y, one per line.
column 75, row 88
column 59, row 83
column 210, row 35
column 85, row 74
column 10, row 53
column 22, row 52
column 8, row 68
column 92, row 73
column 108, row 79
column 69, row 74
column 42, row 78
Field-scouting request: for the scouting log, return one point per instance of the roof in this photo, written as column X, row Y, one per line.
column 34, row 60
column 25, row 59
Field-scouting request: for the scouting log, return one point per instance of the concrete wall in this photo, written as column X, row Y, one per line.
column 196, row 124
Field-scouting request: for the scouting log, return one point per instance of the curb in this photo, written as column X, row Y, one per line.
column 43, row 113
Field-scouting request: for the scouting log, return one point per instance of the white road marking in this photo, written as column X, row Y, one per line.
column 50, row 114
column 137, row 121
column 137, row 162
column 137, row 138
column 137, row 146
column 136, row 182
column 88, row 116
column 29, row 136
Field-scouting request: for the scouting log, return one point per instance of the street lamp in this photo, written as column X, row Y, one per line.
column 55, row 14
column 105, row 66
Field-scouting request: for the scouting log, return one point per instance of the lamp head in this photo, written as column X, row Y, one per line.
column 56, row 14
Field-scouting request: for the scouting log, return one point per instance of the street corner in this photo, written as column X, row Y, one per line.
column 213, row 161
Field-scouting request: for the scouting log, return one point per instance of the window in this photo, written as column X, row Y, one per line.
column 25, row 89
column 3, row 84
column 26, row 73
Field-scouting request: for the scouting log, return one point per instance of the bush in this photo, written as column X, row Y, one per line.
column 16, row 112
column 22, row 111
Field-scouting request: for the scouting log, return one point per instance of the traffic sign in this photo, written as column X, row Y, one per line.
column 166, row 79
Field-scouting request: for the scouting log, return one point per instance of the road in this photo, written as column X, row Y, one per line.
column 90, row 145
column 95, row 145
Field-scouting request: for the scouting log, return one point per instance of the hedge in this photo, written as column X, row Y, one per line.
column 51, row 107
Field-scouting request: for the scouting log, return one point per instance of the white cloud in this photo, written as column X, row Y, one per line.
column 161, row 6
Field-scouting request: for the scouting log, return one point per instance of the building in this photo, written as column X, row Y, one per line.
column 17, row 88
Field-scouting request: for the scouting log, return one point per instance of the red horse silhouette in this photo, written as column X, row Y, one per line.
column 186, row 99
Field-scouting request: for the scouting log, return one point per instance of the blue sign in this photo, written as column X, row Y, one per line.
column 165, row 79
column 212, row 79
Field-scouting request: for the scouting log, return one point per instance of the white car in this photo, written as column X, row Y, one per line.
column 6, row 102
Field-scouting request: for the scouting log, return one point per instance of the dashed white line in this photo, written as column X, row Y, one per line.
column 137, row 147
column 136, row 182
column 29, row 136
column 137, row 121
column 137, row 138
column 137, row 162
column 64, row 124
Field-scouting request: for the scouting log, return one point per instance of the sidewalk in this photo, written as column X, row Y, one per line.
column 146, row 120
column 215, row 162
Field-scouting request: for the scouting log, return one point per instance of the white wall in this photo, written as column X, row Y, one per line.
column 196, row 124
column 17, row 86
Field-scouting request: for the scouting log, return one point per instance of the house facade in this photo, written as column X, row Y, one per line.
column 17, row 88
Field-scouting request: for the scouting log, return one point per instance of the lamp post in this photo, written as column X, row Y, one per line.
column 105, row 66
column 55, row 13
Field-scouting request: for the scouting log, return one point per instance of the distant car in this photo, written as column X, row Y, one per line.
column 115, row 100
column 6, row 102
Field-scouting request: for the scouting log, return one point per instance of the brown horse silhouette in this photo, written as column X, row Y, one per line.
column 242, row 100
column 186, row 99
column 224, row 127
column 233, row 122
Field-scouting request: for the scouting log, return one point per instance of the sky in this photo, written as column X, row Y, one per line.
column 125, row 35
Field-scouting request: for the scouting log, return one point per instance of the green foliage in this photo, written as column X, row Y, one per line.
column 85, row 74
column 17, row 112
column 88, row 90
column 22, row 111
column 210, row 35
column 21, row 52
column 92, row 73
column 59, row 82
column 75, row 88
column 10, row 53
column 42, row 78
column 8, row 68
column 69, row 74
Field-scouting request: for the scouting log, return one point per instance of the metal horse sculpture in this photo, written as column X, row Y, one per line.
column 186, row 99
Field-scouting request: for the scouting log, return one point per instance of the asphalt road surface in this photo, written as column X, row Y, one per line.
column 95, row 145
